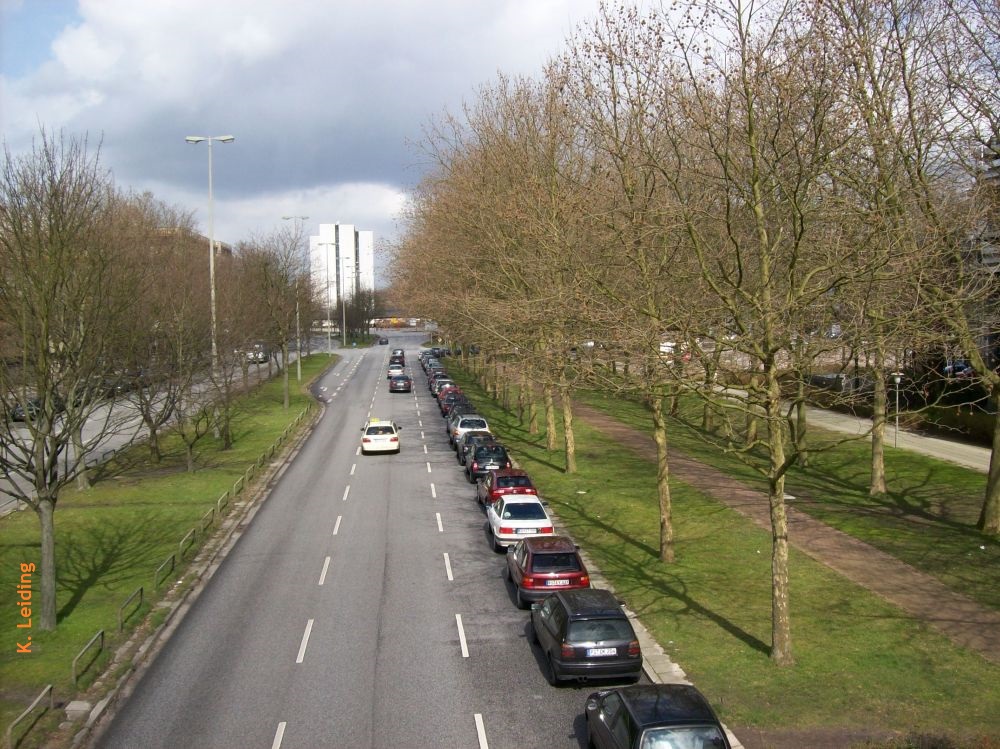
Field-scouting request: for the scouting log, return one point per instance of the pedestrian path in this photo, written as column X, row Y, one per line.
column 964, row 621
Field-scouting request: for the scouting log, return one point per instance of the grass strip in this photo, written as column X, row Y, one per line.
column 859, row 663
column 111, row 538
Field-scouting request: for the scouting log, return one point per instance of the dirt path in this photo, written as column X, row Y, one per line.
column 961, row 619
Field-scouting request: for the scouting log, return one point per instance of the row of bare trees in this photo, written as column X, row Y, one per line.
column 722, row 199
column 104, row 293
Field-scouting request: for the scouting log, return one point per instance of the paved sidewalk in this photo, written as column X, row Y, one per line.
column 922, row 596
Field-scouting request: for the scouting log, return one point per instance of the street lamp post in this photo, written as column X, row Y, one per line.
column 298, row 326
column 211, row 239
column 326, row 267
column 896, row 377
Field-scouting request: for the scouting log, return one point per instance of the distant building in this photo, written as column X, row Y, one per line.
column 341, row 262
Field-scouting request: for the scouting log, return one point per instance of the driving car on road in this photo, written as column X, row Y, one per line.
column 395, row 370
column 650, row 716
column 585, row 634
column 496, row 484
column 400, row 384
column 383, row 341
column 380, row 436
column 537, row 565
column 513, row 518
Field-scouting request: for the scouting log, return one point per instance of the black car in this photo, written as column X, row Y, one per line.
column 400, row 384
column 486, row 457
column 653, row 715
column 584, row 634
column 383, row 341
column 471, row 440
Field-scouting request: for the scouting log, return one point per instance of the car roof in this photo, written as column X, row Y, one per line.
column 667, row 704
column 504, row 472
column 589, row 602
column 554, row 544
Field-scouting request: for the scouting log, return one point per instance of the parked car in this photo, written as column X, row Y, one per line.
column 380, row 436
column 400, row 384
column 463, row 423
column 470, row 440
column 584, row 634
column 505, row 481
column 540, row 564
column 515, row 517
column 29, row 410
column 490, row 456
column 440, row 383
column 649, row 716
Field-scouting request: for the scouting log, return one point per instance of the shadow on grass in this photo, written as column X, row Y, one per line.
column 640, row 573
column 104, row 554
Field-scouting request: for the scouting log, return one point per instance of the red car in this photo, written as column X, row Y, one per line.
column 504, row 481
column 539, row 565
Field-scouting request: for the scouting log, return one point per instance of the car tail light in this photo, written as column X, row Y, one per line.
column 584, row 580
column 394, row 439
column 528, row 582
column 508, row 464
column 633, row 649
column 567, row 652
column 506, row 531
column 475, row 466
column 365, row 439
column 545, row 529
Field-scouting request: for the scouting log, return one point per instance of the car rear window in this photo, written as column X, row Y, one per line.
column 599, row 630
column 380, row 430
column 524, row 511
column 555, row 562
column 472, row 424
column 681, row 737
column 510, row 482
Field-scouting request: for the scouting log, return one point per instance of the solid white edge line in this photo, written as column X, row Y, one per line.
column 481, row 731
column 347, row 490
column 433, row 492
column 447, row 566
column 336, row 526
column 440, row 527
column 305, row 641
column 322, row 575
column 461, row 636
column 278, row 736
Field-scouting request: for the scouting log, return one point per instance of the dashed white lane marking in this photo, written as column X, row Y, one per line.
column 278, row 736
column 447, row 566
column 434, row 492
column 305, row 641
column 358, row 451
column 422, row 435
column 419, row 423
column 461, row 636
column 481, row 731
column 428, row 465
column 440, row 527
column 347, row 490
column 322, row 575
column 353, row 466
column 425, row 449
column 336, row 526
column 323, row 389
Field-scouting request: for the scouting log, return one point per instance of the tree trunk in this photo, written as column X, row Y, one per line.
column 781, row 628
column 989, row 515
column 801, row 426
column 520, row 397
column 154, row 445
column 284, row 377
column 876, row 483
column 550, row 419
column 532, row 411
column 569, row 439
column 663, row 482
column 189, row 455
column 46, row 517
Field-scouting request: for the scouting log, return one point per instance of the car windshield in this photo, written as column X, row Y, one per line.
column 683, row 737
column 524, row 511
column 511, row 482
column 555, row 562
column 599, row 630
column 380, row 430
column 472, row 424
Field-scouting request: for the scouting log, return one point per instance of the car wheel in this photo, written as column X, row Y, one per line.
column 506, row 574
column 532, row 634
column 550, row 672
column 497, row 547
column 521, row 603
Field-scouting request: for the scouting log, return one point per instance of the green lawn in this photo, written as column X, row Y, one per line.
column 858, row 662
column 111, row 538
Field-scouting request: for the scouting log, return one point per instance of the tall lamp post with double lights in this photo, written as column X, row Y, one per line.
column 298, row 327
column 211, row 238
column 896, row 377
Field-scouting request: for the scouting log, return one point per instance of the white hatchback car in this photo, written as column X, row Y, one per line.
column 395, row 370
column 380, row 436
column 514, row 517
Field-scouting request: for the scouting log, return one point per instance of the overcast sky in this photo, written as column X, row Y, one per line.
column 327, row 98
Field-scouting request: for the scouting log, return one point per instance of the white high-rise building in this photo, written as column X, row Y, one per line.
column 341, row 262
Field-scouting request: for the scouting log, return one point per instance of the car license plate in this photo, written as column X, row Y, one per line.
column 594, row 652
column 557, row 582
column 527, row 530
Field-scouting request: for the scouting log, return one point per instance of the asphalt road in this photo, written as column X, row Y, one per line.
column 362, row 608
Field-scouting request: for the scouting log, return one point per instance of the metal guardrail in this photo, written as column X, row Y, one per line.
column 99, row 637
column 189, row 540
column 206, row 520
column 222, row 503
column 121, row 619
column 172, row 561
column 8, row 736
